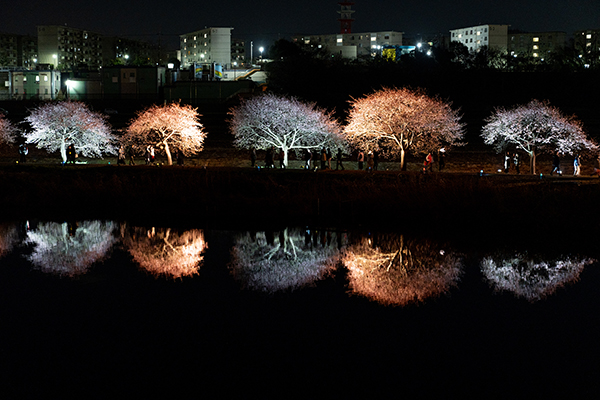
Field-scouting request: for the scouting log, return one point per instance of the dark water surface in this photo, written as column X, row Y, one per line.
column 104, row 309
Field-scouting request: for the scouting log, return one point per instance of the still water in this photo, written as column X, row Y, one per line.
column 109, row 308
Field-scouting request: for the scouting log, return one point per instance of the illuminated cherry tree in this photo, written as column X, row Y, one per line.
column 393, row 270
column 532, row 277
column 8, row 131
column 287, row 261
column 536, row 128
column 167, row 127
column 57, row 125
column 283, row 123
column 70, row 248
column 165, row 251
column 396, row 121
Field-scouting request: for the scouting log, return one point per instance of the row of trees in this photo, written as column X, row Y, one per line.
column 391, row 121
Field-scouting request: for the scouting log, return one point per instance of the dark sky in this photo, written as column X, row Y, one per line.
column 266, row 20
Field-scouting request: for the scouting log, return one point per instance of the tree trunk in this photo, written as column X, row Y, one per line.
column 63, row 151
column 402, row 163
column 168, row 153
column 532, row 157
column 285, row 157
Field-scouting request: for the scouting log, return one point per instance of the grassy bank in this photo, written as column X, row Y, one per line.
column 244, row 196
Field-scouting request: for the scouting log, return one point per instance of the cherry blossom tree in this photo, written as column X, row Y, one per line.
column 70, row 248
column 393, row 270
column 532, row 277
column 166, row 251
column 56, row 125
column 8, row 131
column 536, row 128
column 165, row 127
column 396, row 121
column 270, row 263
column 283, row 123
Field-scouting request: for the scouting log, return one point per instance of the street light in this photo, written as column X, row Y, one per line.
column 261, row 49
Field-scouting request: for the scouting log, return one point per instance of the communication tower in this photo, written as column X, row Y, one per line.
column 346, row 16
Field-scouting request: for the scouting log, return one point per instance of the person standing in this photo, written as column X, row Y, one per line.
column 131, row 155
column 281, row 159
column 517, row 162
column 370, row 162
column 428, row 164
column 269, row 158
column 121, row 156
column 338, row 160
column 323, row 158
column 375, row 160
column 71, row 154
column 180, row 157
column 329, row 157
column 253, row 157
column 577, row 165
column 441, row 159
column 360, row 159
column 556, row 164
column 23, row 151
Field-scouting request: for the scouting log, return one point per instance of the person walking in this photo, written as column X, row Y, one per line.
column 556, row 164
column 517, row 162
column 577, row 165
column 307, row 158
column 360, row 159
column 338, row 160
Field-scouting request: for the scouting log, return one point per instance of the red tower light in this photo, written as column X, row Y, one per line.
column 346, row 16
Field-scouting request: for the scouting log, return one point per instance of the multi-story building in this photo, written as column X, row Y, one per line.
column 117, row 50
column 476, row 37
column 352, row 45
column 535, row 44
column 64, row 47
column 238, row 52
column 206, row 46
column 587, row 45
column 18, row 51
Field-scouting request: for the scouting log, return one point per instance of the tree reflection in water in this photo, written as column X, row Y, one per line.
column 531, row 276
column 70, row 248
column 393, row 270
column 292, row 259
column 9, row 236
column 165, row 251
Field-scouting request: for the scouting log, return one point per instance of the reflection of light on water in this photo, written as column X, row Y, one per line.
column 289, row 260
column 399, row 271
column 166, row 252
column 529, row 277
column 8, row 237
column 70, row 249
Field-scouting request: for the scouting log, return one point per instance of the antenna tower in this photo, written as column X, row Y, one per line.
column 346, row 16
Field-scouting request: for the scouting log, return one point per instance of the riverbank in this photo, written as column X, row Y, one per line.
column 253, row 197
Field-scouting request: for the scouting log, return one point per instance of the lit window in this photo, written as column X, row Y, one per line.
column 536, row 39
column 535, row 54
column 339, row 40
column 588, row 36
column 373, row 38
column 37, row 78
column 536, row 47
column 24, row 79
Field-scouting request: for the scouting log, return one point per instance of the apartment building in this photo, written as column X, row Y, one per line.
column 18, row 51
column 535, row 44
column 119, row 50
column 206, row 46
column 475, row 37
column 587, row 43
column 34, row 84
column 65, row 47
column 352, row 45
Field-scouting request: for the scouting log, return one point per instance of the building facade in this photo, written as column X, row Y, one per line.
column 535, row 44
column 68, row 48
column 34, row 84
column 206, row 46
column 352, row 45
column 476, row 37
column 123, row 51
column 587, row 46
column 18, row 51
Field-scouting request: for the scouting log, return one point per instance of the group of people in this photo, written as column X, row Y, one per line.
column 512, row 159
column 576, row 164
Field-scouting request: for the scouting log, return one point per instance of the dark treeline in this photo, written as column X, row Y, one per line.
column 475, row 83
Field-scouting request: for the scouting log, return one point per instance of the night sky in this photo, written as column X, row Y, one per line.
column 267, row 20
